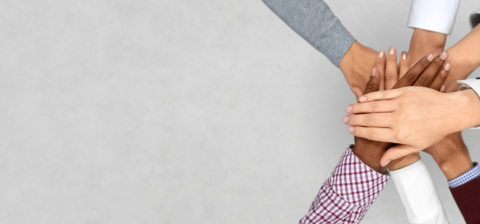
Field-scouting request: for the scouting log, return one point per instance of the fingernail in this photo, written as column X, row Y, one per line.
column 351, row 129
column 404, row 55
column 346, row 119
column 447, row 67
column 373, row 72
column 443, row 88
column 349, row 109
column 444, row 56
column 363, row 98
column 391, row 50
column 381, row 54
column 387, row 162
column 430, row 57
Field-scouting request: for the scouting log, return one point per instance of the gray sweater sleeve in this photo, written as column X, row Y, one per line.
column 315, row 22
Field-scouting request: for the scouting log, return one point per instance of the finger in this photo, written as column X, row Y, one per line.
column 443, row 89
column 372, row 107
column 380, row 120
column 391, row 74
column 404, row 65
column 441, row 77
column 396, row 152
column 381, row 95
column 374, row 83
column 428, row 75
column 357, row 91
column 411, row 76
column 374, row 134
column 380, row 65
column 452, row 87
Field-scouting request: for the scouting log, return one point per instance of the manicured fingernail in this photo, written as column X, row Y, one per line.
column 430, row 57
column 444, row 56
column 404, row 55
column 349, row 109
column 346, row 119
column 391, row 50
column 373, row 72
column 443, row 88
column 447, row 67
column 381, row 54
column 387, row 162
column 363, row 98
column 351, row 129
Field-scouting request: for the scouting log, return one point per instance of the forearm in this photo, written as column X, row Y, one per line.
column 464, row 56
column 315, row 22
column 425, row 42
column 346, row 196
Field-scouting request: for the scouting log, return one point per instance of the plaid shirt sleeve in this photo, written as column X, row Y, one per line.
column 346, row 196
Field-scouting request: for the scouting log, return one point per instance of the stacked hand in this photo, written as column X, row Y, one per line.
column 430, row 72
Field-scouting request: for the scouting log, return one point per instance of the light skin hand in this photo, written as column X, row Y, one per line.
column 356, row 65
column 451, row 153
column 414, row 117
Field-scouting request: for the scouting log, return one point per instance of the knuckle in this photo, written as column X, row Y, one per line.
column 351, row 120
column 372, row 133
column 424, row 80
column 398, row 154
column 368, row 120
column 390, row 75
column 437, row 63
column 384, row 95
column 424, row 63
column 373, row 107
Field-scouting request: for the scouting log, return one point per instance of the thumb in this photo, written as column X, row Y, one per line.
column 358, row 92
column 396, row 152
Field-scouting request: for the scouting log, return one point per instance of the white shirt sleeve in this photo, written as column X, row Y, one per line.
column 418, row 194
column 433, row 15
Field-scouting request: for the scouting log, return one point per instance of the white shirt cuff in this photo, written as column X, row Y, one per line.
column 434, row 15
column 418, row 194
column 475, row 18
column 470, row 84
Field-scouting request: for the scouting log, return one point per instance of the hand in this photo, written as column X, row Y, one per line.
column 390, row 79
column 356, row 65
column 433, row 75
column 414, row 117
column 368, row 151
column 451, row 155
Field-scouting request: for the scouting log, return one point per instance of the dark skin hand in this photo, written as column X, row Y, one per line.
column 428, row 73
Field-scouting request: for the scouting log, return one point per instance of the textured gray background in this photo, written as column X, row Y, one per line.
column 179, row 111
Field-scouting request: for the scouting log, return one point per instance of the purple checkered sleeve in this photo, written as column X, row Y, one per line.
column 346, row 196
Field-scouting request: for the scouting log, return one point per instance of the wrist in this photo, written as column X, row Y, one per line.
column 451, row 155
column 430, row 39
column 356, row 64
column 456, row 166
column 464, row 56
column 468, row 102
column 425, row 42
